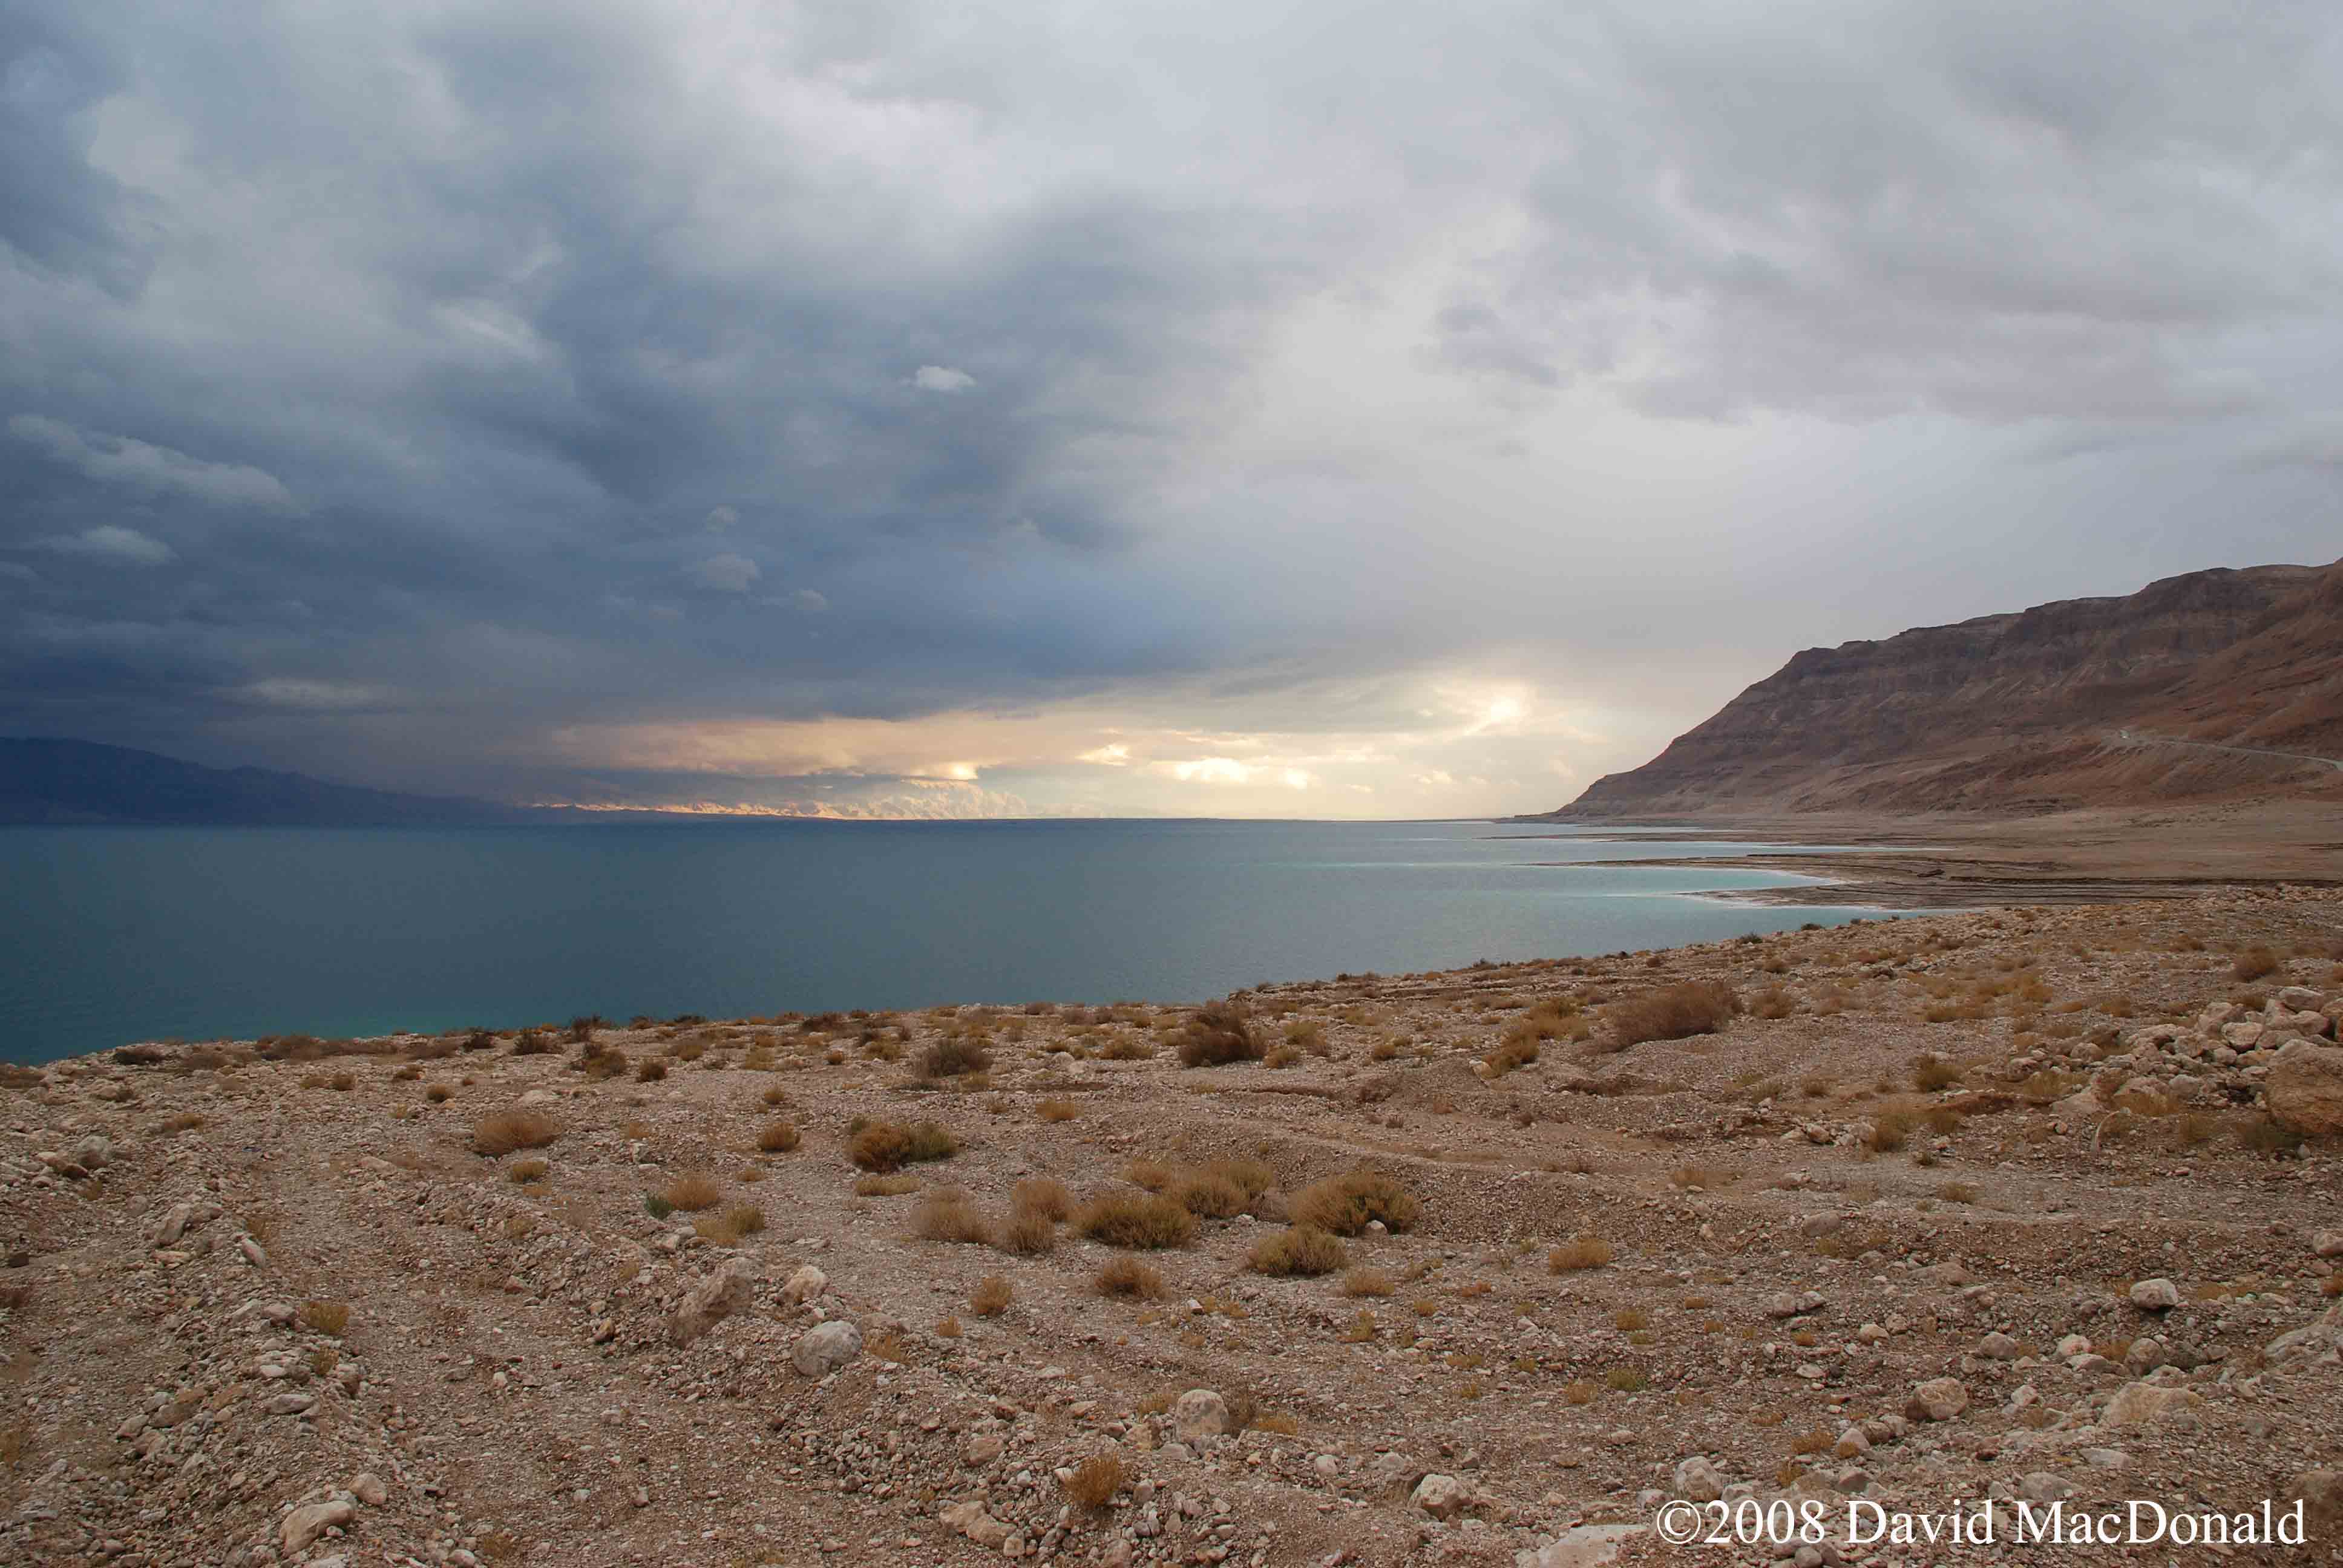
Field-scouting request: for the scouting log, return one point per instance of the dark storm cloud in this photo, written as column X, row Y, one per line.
column 381, row 387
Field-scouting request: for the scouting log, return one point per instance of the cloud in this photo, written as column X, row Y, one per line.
column 111, row 542
column 304, row 696
column 724, row 573
column 1141, row 391
column 150, row 470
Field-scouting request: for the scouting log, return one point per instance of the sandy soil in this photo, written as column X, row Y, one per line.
column 269, row 1303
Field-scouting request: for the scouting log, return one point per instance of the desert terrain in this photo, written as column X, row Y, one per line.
column 2030, row 1203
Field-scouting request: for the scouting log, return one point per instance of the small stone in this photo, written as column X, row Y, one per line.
column 1997, row 1347
column 981, row 1450
column 368, row 1489
column 806, row 1286
column 2044, row 1486
column 253, row 1251
column 2158, row 1295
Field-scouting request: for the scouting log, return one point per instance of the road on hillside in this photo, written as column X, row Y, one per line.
column 2132, row 736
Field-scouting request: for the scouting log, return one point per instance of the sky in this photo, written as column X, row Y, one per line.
column 950, row 409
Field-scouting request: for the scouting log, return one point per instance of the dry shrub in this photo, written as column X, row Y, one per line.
column 1707, row 1178
column 1057, row 1110
column 1367, row 1282
column 1095, row 1481
column 954, row 1058
column 1042, row 1195
column 1220, row 1034
column 1772, row 1002
column 1299, row 1249
column 885, row 1186
column 508, row 1131
column 438, row 1094
column 2253, row 963
column 526, row 1171
column 991, row 1296
column 1890, row 1130
column 1931, row 1072
column 1677, row 1012
column 1510, row 1054
column 1253, row 1176
column 1144, row 1221
column 651, row 1070
column 948, row 1215
column 1026, row 1232
column 778, row 1137
column 1345, row 1204
column 1581, row 1392
column 1585, row 1253
column 329, row 1318
column 1153, row 1175
column 1128, row 1277
column 692, row 1193
column 887, row 1145
column 1208, row 1197
column 949, row 1329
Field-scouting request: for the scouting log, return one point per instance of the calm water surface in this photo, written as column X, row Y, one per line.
column 109, row 935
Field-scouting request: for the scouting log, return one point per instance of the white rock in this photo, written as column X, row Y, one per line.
column 1938, row 1398
column 806, row 1286
column 826, row 1347
column 1199, row 1414
column 2154, row 1295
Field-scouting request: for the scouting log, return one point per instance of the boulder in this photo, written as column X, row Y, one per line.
column 2154, row 1295
column 806, row 1286
column 826, row 1347
column 1938, row 1398
column 1697, row 1478
column 972, row 1521
column 730, row 1289
column 2320, row 1493
column 1200, row 1413
column 303, row 1525
column 1443, row 1496
column 2148, row 1403
column 1581, row 1546
column 2304, row 1091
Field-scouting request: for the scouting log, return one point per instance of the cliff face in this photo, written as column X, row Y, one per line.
column 2080, row 702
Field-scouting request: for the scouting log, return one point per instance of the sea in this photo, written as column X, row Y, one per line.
column 110, row 936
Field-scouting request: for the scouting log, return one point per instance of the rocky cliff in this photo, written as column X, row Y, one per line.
column 2195, row 686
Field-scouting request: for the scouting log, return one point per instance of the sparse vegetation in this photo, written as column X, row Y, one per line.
column 1143, row 1220
column 1677, row 1012
column 885, row 1146
column 1128, row 1277
column 777, row 1137
column 508, row 1131
column 1586, row 1253
column 1219, row 1034
column 1094, row 1482
column 1297, row 1250
column 991, row 1296
column 1346, row 1205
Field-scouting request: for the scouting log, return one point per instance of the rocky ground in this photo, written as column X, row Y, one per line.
column 2022, row 1204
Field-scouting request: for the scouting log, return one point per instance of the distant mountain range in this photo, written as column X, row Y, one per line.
column 2216, row 684
column 62, row 782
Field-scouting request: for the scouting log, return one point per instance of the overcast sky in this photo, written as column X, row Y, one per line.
column 1325, row 410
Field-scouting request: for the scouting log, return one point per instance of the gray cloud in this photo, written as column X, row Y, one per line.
column 461, row 380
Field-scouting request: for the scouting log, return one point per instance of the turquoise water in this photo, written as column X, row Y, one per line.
column 109, row 935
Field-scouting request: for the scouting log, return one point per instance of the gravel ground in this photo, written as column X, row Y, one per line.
column 1900, row 1231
